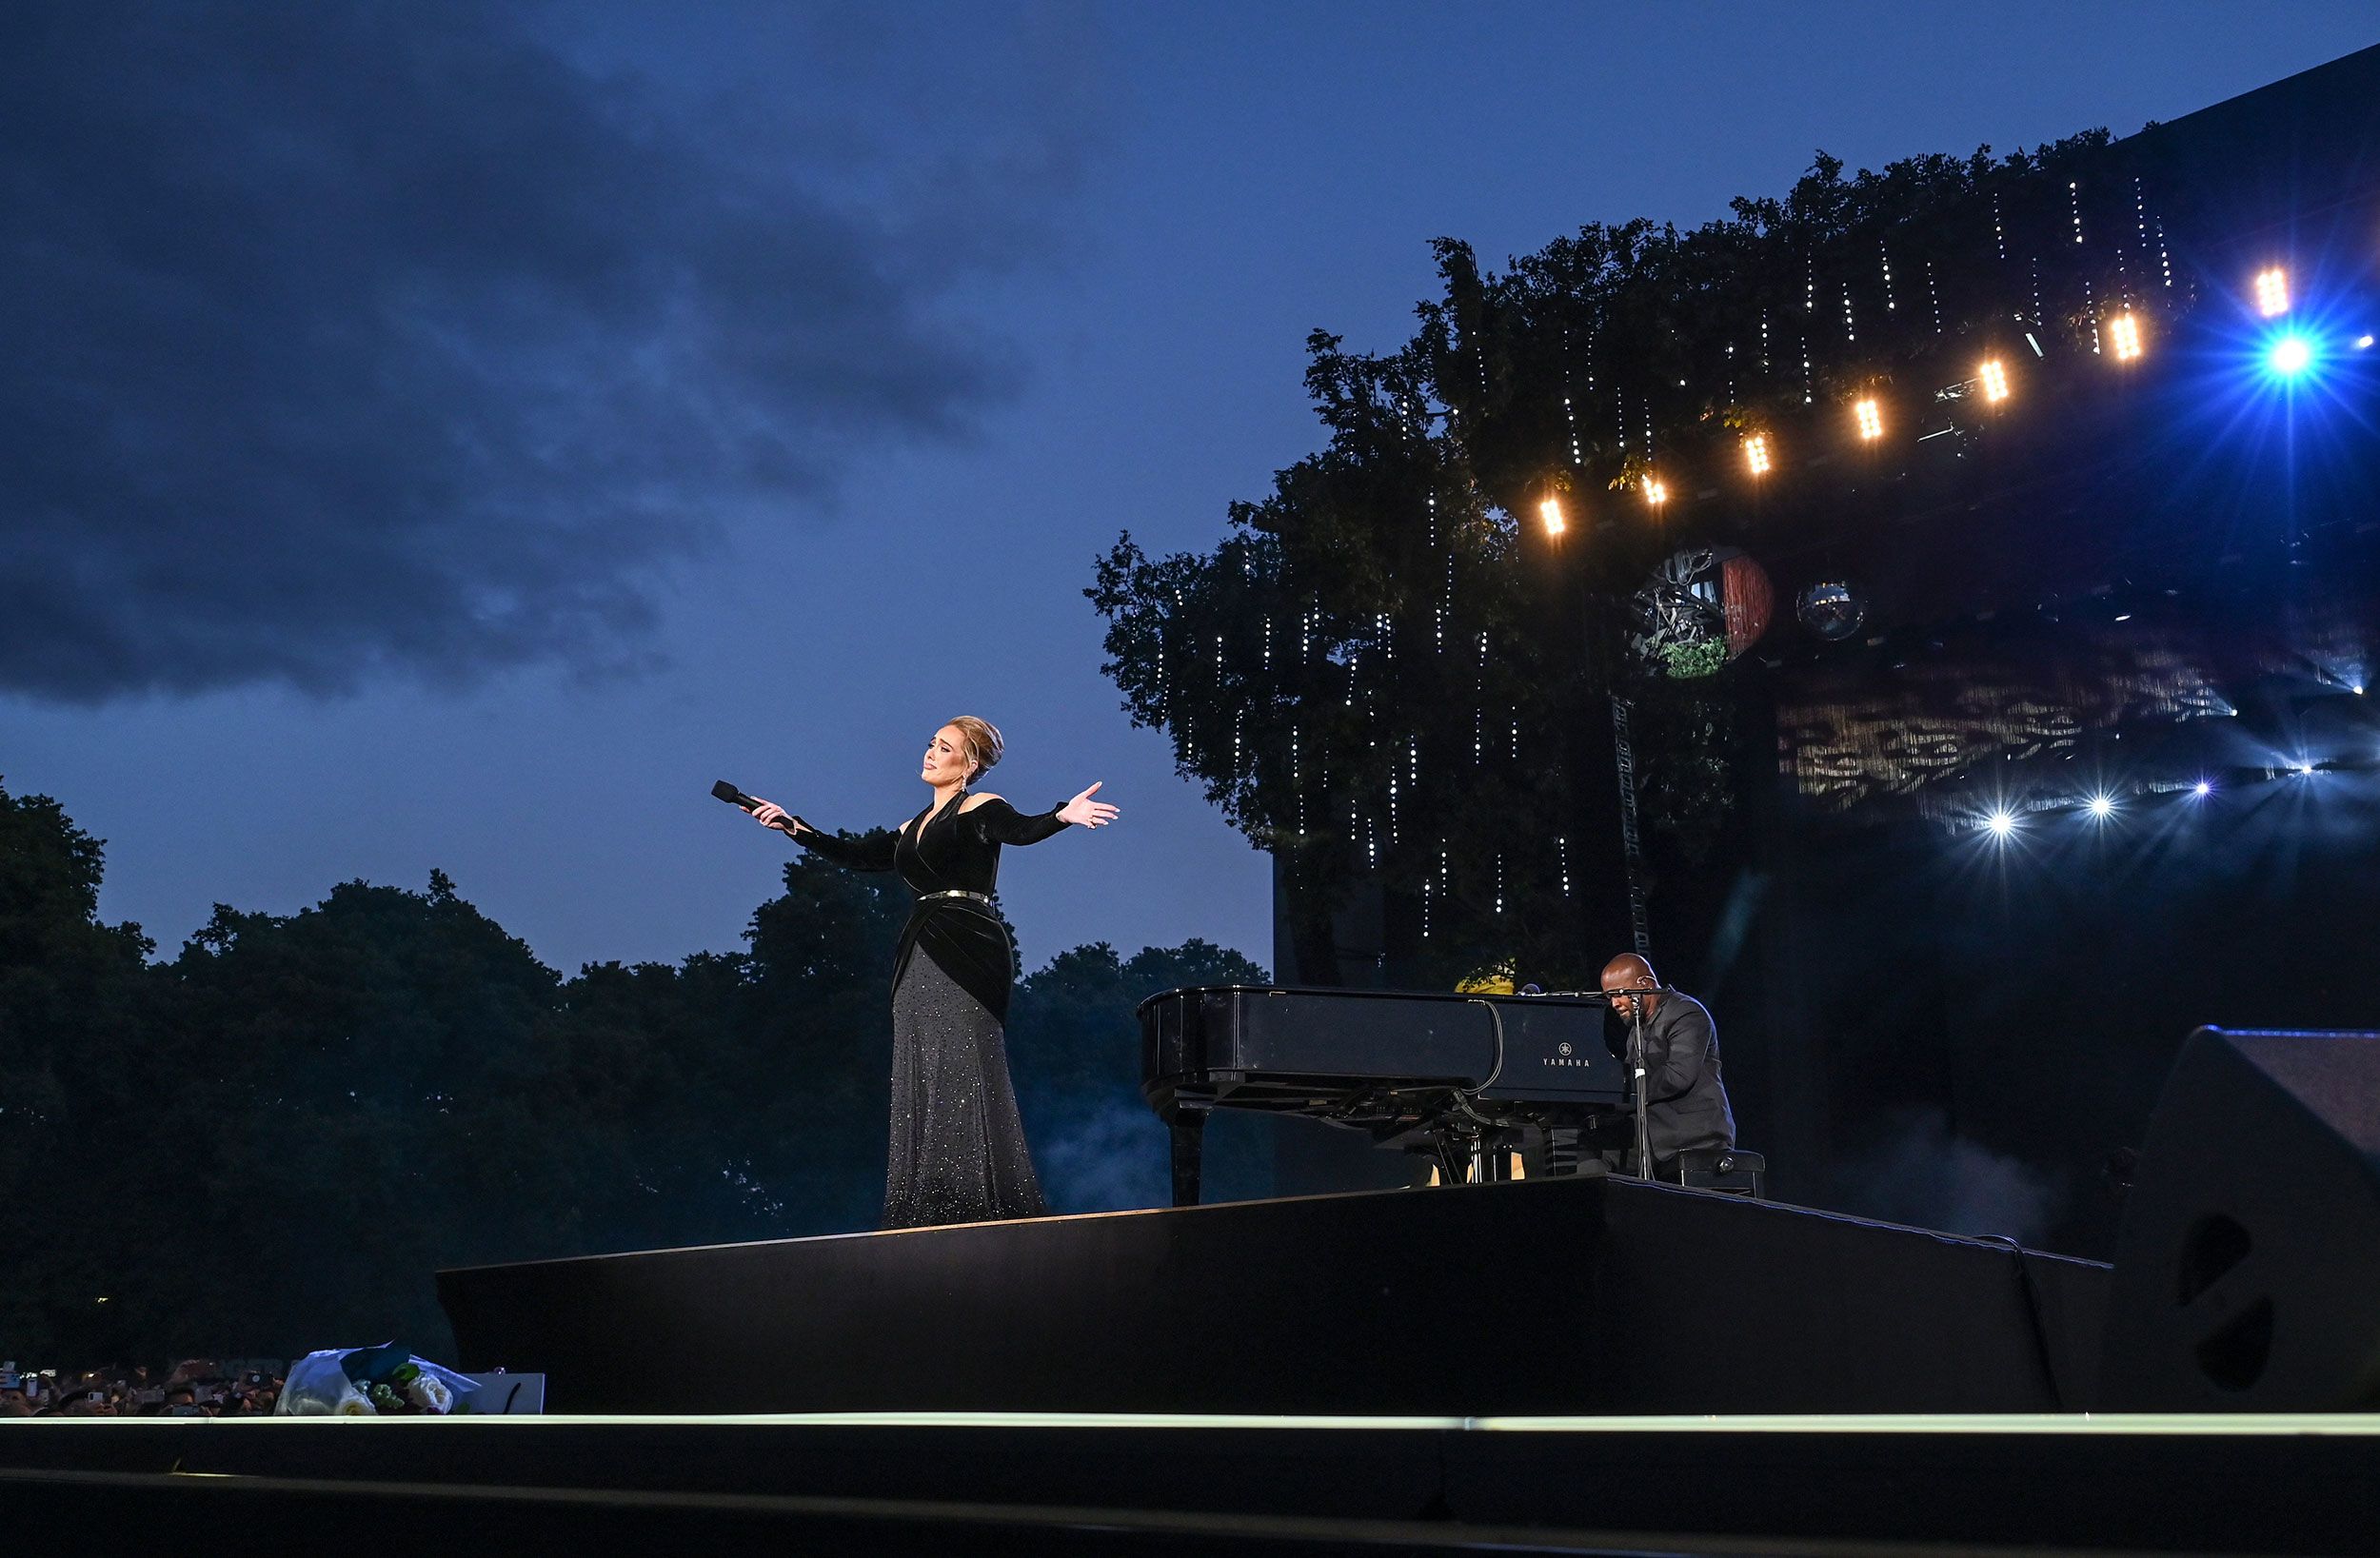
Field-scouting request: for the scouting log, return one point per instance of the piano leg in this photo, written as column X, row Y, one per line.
column 1188, row 1127
column 1457, row 1152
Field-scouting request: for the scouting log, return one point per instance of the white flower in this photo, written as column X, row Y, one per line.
column 428, row 1392
column 352, row 1402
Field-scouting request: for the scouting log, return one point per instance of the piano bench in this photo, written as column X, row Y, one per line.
column 1732, row 1169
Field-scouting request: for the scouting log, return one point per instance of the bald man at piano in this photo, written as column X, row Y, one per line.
column 1687, row 1121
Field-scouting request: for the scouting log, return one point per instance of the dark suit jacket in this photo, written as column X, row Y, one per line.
column 1685, row 1102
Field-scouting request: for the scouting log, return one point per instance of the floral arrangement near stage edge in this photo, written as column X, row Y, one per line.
column 373, row 1382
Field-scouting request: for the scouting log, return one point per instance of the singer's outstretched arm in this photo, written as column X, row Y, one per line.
column 998, row 823
column 872, row 852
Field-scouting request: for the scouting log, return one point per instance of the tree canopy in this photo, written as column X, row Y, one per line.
column 1390, row 673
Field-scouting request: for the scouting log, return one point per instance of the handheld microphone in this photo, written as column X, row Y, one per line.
column 734, row 796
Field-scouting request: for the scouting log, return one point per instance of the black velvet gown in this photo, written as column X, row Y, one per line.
column 958, row 1151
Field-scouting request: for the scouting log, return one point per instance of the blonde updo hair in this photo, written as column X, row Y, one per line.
column 982, row 742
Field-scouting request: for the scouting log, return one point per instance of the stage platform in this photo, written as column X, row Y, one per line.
column 1060, row 1484
column 1559, row 1366
column 1553, row 1296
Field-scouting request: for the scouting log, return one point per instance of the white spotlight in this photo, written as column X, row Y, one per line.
column 1870, row 419
column 2101, row 805
column 2124, row 335
column 2272, row 291
column 1995, row 379
column 2202, row 789
column 1756, row 454
column 2000, row 824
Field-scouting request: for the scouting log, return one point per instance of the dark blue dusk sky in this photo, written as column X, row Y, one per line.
column 451, row 435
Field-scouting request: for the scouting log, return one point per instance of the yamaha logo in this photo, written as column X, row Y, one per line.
column 1561, row 1049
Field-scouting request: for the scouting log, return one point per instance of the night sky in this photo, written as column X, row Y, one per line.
column 453, row 436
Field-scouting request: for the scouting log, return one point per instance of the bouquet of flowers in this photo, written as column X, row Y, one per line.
column 372, row 1382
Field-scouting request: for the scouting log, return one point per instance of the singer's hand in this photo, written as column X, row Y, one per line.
column 1084, row 812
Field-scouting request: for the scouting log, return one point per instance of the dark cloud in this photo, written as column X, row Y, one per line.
column 341, row 340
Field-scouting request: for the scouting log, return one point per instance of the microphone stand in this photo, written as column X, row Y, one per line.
column 1635, row 1072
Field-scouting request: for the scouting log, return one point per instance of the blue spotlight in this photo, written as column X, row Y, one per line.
column 2290, row 355
column 2202, row 789
column 2101, row 807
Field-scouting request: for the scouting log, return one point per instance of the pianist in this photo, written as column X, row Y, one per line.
column 1687, row 1121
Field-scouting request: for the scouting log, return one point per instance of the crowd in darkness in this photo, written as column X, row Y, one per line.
column 193, row 1387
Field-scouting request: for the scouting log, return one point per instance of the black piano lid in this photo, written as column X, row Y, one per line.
column 1547, row 1047
column 1581, row 998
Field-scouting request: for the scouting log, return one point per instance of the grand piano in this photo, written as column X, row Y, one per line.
column 1451, row 1075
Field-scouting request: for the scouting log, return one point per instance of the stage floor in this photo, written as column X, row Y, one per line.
column 1581, row 1296
column 1072, row 1482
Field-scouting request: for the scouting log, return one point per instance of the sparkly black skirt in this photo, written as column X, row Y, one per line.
column 958, row 1151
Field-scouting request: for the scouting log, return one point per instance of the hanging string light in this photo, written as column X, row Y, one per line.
column 1809, row 312
column 1478, row 707
column 2140, row 215
column 1297, row 780
column 1570, row 411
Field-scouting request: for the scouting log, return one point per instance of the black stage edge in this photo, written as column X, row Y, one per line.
column 1837, row 1486
column 1545, row 1296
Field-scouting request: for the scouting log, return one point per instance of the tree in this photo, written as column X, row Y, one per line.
column 71, row 1007
column 356, row 1103
column 1394, row 685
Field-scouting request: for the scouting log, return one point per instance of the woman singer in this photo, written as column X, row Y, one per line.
column 958, row 1151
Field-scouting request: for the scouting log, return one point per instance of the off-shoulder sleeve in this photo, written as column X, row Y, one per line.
column 868, row 851
column 997, row 823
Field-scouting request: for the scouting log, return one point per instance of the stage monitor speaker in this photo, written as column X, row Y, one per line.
column 2247, row 1270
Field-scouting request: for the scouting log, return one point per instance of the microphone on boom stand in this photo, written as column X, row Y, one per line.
column 1635, row 1072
